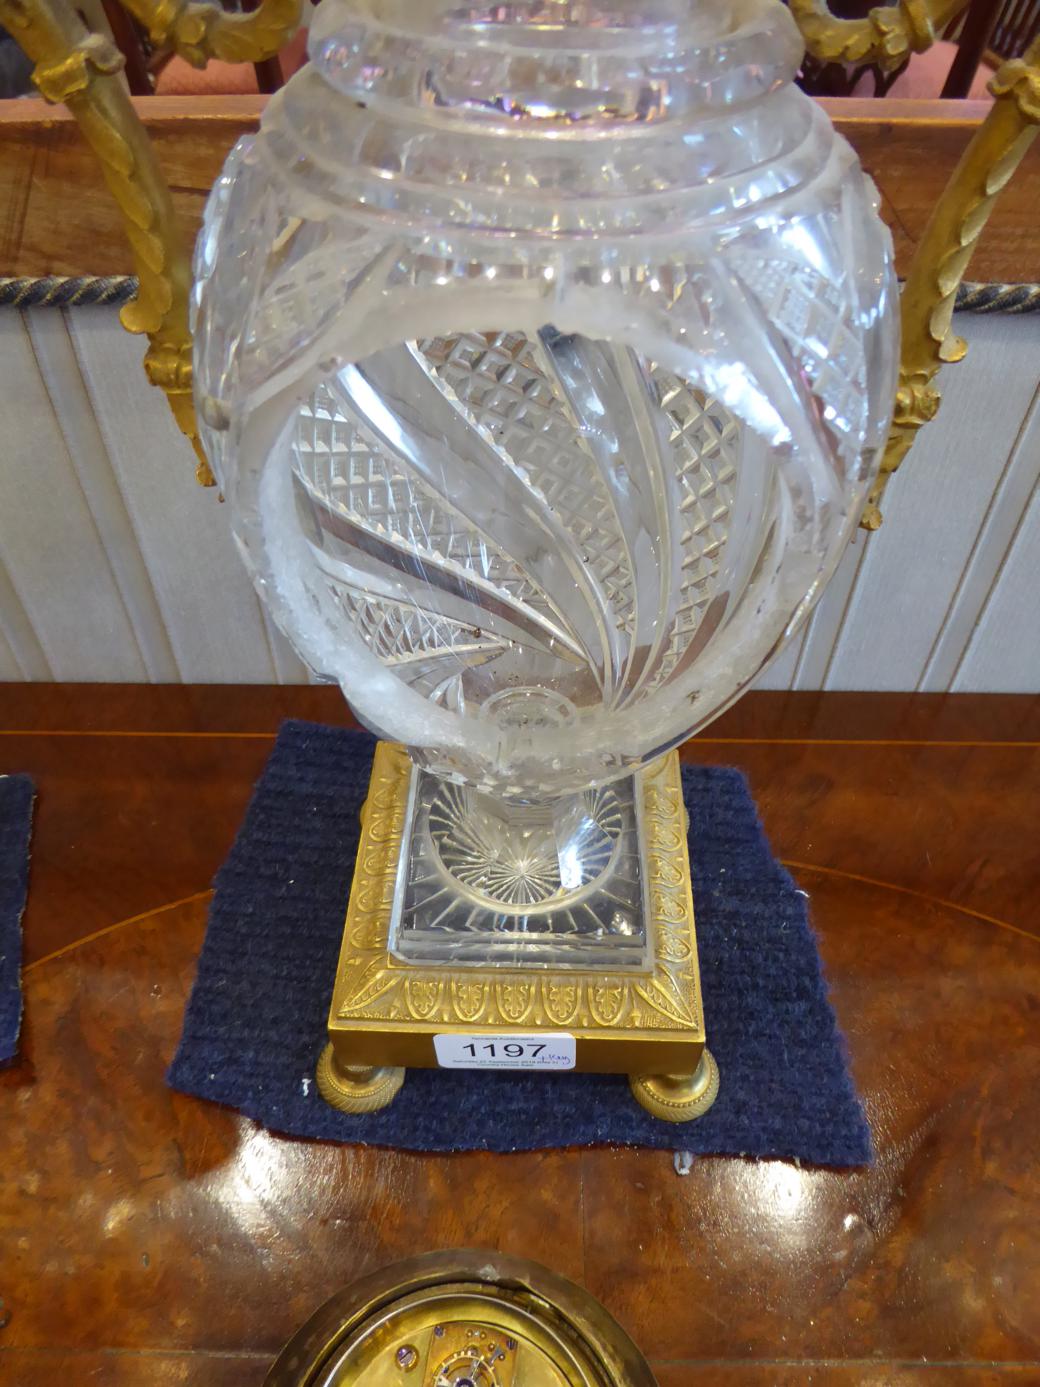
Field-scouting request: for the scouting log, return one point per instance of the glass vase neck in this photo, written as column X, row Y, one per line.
column 556, row 63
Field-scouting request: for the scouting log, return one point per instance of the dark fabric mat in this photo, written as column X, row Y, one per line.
column 16, row 800
column 255, row 1023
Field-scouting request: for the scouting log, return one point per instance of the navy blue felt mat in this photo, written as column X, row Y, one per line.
column 256, row 1019
column 16, row 799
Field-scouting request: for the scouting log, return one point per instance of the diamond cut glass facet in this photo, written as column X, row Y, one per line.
column 545, row 352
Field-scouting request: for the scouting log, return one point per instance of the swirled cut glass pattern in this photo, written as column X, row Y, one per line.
column 544, row 351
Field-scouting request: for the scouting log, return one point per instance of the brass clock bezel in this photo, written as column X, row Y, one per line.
column 569, row 1338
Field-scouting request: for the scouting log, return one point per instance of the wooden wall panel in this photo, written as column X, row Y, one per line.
column 56, row 216
column 827, row 620
column 288, row 667
column 207, row 602
column 1006, row 524
column 10, row 668
column 59, row 576
column 1003, row 649
column 56, row 358
column 23, row 655
column 910, row 576
column 780, row 674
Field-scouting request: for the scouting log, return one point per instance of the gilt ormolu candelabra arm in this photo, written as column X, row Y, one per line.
column 943, row 253
column 884, row 38
column 81, row 69
column 199, row 32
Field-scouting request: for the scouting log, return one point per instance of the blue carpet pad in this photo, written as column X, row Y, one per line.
column 16, row 800
column 255, row 1023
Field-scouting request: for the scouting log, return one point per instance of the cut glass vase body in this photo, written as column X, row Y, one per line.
column 544, row 352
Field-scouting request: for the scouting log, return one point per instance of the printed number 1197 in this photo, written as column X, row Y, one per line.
column 545, row 1051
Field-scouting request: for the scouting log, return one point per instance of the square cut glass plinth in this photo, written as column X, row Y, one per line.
column 485, row 883
column 388, row 1010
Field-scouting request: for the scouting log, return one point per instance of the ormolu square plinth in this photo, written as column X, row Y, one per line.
column 640, row 1021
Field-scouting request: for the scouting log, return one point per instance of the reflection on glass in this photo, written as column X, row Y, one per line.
column 544, row 352
column 554, row 884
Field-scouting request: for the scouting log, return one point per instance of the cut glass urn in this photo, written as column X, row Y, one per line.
column 544, row 352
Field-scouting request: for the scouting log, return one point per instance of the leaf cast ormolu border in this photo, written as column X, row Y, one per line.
column 373, row 986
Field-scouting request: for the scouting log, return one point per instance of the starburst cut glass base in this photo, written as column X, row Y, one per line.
column 475, row 918
column 482, row 882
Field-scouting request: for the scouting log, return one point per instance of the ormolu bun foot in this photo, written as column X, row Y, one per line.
column 357, row 1088
column 678, row 1097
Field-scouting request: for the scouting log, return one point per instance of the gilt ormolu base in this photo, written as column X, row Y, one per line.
column 647, row 1023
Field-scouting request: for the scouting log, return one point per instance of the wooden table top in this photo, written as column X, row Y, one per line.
column 147, row 1238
